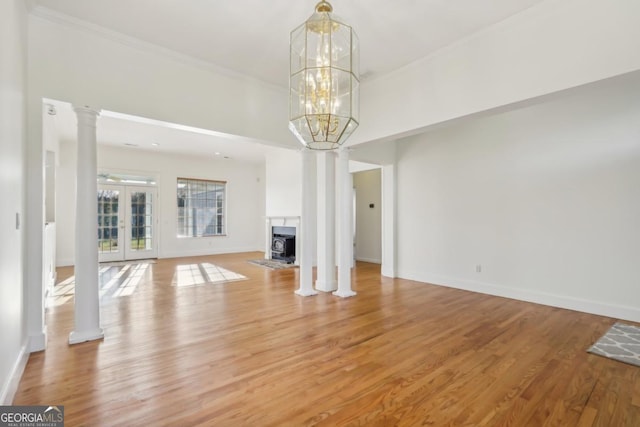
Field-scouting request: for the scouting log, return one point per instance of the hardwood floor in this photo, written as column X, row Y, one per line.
column 251, row 353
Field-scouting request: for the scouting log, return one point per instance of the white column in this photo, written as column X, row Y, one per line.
column 87, row 297
column 345, row 226
column 326, row 280
column 306, row 226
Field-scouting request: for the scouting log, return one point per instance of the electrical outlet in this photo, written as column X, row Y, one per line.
column 478, row 268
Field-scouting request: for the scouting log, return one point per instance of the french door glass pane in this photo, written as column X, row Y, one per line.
column 141, row 221
column 108, row 221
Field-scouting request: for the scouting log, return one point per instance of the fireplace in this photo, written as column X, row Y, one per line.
column 280, row 238
column 283, row 243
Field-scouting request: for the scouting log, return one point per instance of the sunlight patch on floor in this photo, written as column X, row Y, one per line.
column 203, row 273
column 114, row 281
column 62, row 292
column 124, row 282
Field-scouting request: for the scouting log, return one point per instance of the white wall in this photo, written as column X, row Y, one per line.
column 66, row 203
column 13, row 335
column 245, row 199
column 112, row 72
column 552, row 46
column 368, row 187
column 283, row 183
column 545, row 199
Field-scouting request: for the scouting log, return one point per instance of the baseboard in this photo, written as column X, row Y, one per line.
column 553, row 300
column 9, row 389
column 371, row 260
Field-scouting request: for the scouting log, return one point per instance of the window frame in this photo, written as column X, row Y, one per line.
column 180, row 219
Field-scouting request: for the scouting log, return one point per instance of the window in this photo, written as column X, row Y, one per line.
column 201, row 207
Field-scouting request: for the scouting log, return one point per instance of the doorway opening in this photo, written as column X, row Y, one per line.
column 367, row 213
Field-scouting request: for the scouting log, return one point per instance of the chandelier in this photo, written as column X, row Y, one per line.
column 324, row 80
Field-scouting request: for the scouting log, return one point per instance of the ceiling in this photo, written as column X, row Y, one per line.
column 251, row 37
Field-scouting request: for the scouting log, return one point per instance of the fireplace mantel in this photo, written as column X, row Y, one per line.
column 287, row 220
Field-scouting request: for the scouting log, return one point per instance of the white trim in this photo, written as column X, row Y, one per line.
column 553, row 300
column 284, row 219
column 10, row 387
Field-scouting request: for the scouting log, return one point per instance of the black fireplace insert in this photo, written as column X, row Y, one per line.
column 283, row 244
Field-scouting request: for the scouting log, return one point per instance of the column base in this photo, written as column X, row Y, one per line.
column 326, row 286
column 305, row 293
column 387, row 272
column 78, row 337
column 38, row 342
column 345, row 294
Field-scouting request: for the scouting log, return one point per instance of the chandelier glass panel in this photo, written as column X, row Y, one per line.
column 324, row 80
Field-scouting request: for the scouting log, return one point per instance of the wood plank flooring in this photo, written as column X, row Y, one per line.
column 252, row 353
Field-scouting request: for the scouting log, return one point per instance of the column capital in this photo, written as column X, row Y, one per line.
column 87, row 110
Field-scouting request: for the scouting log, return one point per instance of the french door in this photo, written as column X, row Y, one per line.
column 126, row 222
